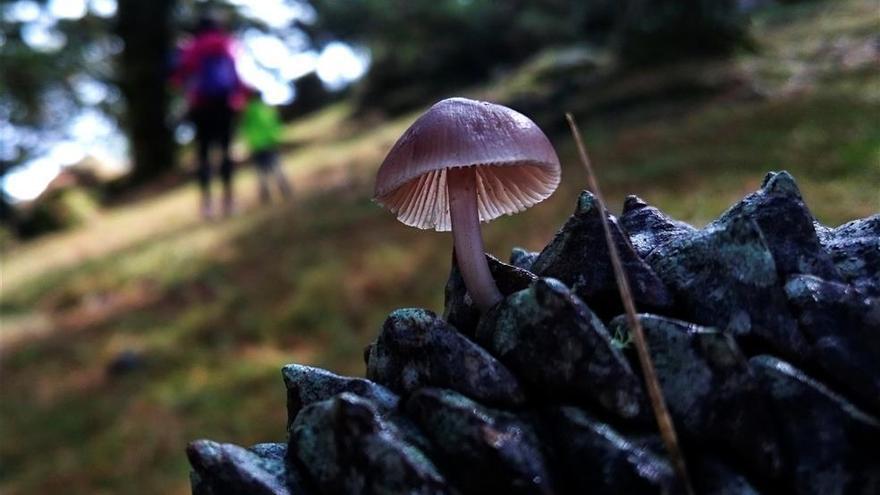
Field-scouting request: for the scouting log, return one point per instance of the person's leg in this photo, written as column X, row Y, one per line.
column 203, row 167
column 225, row 123
column 281, row 179
column 263, row 168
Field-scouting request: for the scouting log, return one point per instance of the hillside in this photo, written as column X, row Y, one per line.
column 207, row 313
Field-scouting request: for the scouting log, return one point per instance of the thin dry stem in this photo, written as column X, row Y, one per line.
column 658, row 403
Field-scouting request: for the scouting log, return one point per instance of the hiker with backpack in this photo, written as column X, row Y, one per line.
column 214, row 93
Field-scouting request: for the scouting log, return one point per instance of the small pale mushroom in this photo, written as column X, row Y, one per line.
column 463, row 162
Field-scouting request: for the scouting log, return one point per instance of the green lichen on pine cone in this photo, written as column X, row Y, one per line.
column 764, row 327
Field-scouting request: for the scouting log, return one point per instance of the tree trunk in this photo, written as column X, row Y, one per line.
column 145, row 29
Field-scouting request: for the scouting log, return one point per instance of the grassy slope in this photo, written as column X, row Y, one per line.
column 217, row 309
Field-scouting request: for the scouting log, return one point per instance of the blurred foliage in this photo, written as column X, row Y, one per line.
column 661, row 31
column 58, row 210
column 311, row 95
column 40, row 93
column 130, row 55
column 72, row 199
column 422, row 48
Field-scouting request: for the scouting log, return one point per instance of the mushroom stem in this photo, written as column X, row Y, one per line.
column 462, row 185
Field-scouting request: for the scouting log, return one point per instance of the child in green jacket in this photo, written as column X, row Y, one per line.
column 261, row 129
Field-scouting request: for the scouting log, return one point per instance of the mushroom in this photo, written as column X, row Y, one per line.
column 463, row 162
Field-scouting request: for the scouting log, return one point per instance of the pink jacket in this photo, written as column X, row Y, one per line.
column 192, row 54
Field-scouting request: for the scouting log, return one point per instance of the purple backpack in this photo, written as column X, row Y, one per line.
column 217, row 77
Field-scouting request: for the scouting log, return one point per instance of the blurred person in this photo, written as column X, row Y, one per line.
column 261, row 129
column 207, row 72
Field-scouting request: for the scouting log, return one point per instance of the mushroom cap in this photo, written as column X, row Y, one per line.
column 516, row 166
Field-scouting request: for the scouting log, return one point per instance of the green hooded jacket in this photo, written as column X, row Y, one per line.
column 260, row 125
